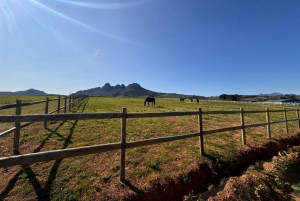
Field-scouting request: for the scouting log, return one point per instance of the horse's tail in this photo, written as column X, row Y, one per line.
column 145, row 101
column 154, row 101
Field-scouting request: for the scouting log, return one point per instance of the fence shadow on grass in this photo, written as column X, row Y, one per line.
column 12, row 182
column 49, row 136
column 133, row 188
column 43, row 193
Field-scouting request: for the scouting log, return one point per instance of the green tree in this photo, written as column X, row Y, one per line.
column 223, row 97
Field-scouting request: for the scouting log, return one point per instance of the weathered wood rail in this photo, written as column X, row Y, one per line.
column 123, row 144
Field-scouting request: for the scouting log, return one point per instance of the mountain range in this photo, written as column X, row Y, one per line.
column 132, row 90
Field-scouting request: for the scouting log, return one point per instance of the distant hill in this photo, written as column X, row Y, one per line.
column 27, row 92
column 272, row 94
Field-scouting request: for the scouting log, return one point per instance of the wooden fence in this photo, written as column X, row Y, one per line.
column 72, row 100
column 123, row 144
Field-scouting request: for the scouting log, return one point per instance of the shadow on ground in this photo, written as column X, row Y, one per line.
column 43, row 193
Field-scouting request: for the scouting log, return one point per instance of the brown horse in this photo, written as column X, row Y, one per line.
column 149, row 100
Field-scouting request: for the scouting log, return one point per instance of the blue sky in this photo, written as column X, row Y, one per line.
column 195, row 47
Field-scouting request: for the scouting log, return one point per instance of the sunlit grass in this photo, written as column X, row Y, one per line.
column 149, row 162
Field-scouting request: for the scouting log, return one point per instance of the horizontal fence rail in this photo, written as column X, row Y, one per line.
column 56, row 154
column 123, row 145
column 2, row 107
column 58, row 117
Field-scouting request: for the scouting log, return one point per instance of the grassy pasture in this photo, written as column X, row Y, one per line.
column 96, row 176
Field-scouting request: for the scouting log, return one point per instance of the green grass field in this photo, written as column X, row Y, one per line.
column 96, row 176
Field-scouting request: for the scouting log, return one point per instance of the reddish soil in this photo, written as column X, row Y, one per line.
column 198, row 180
column 275, row 180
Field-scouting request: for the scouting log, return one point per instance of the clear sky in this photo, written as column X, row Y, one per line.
column 195, row 47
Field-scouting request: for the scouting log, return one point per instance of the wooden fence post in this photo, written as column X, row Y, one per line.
column 46, row 110
column 18, row 128
column 70, row 102
column 268, row 121
column 58, row 105
column 243, row 126
column 297, row 111
column 200, row 125
column 286, row 123
column 123, row 144
column 65, row 108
